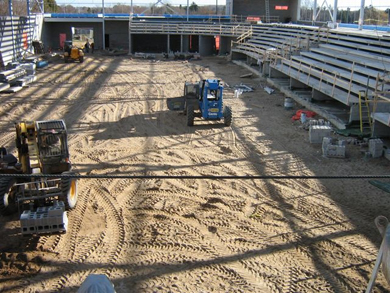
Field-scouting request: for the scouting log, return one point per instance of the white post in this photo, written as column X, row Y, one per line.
column 361, row 17
column 314, row 11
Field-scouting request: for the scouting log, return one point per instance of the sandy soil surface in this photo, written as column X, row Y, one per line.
column 192, row 235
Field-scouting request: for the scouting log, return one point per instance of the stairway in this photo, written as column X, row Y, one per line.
column 364, row 113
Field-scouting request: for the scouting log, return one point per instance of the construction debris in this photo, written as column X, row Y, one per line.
column 269, row 90
column 333, row 148
column 19, row 75
column 24, row 81
column 12, row 89
column 246, row 75
column 145, row 55
column 38, row 47
column 243, row 88
column 10, row 75
column 42, row 63
column 4, row 86
column 115, row 52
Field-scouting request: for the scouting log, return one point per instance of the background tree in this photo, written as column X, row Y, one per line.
column 50, row 6
column 193, row 7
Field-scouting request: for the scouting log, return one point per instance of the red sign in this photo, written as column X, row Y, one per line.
column 253, row 18
column 278, row 7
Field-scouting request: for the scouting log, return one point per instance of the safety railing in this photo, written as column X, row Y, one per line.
column 137, row 27
column 323, row 79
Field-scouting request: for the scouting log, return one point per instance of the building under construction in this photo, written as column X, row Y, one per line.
column 342, row 73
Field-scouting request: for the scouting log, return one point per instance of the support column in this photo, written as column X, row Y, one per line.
column 168, row 43
column 11, row 14
column 298, row 10
column 181, row 43
column 361, row 17
column 335, row 13
column 130, row 44
column 314, row 12
column 103, row 28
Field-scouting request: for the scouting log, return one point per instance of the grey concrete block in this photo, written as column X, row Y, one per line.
column 333, row 148
column 375, row 147
column 318, row 132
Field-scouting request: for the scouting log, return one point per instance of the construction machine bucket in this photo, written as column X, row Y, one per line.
column 176, row 104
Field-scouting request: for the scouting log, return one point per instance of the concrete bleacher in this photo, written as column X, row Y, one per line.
column 270, row 37
column 338, row 64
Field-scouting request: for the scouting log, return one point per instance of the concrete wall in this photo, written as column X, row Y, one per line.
column 256, row 7
column 225, row 45
column 185, row 43
column 16, row 36
column 52, row 30
column 149, row 43
column 118, row 32
column 206, row 45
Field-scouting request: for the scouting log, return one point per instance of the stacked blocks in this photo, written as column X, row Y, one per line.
column 333, row 148
column 375, row 147
column 318, row 132
column 48, row 219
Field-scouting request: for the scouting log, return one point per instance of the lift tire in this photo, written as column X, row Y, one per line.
column 8, row 204
column 81, row 59
column 69, row 190
column 227, row 116
column 190, row 115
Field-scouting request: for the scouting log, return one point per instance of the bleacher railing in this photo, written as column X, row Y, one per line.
column 233, row 30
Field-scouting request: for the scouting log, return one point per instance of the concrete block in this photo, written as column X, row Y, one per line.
column 45, row 220
column 333, row 148
column 55, row 211
column 387, row 154
column 375, row 147
column 318, row 132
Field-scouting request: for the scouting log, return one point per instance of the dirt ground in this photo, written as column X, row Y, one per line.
column 191, row 235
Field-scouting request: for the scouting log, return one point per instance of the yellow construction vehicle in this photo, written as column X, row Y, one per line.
column 72, row 53
column 42, row 198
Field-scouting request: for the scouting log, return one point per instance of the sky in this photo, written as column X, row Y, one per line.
column 380, row 4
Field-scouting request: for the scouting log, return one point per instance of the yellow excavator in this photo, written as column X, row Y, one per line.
column 42, row 201
column 72, row 53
